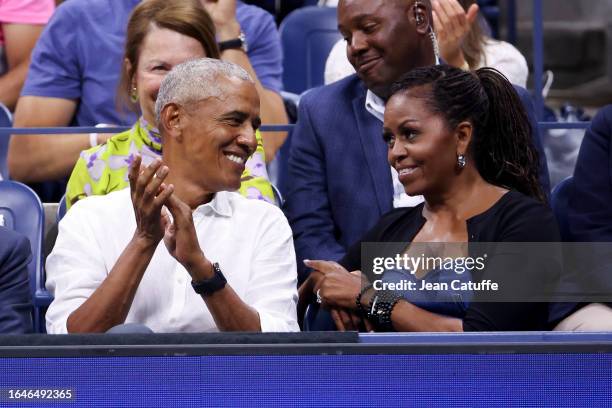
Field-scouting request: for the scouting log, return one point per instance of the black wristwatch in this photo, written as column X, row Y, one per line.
column 235, row 43
column 209, row 286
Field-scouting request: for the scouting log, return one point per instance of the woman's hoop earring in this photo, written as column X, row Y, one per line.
column 134, row 95
column 461, row 161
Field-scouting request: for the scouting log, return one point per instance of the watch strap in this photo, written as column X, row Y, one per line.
column 234, row 43
column 209, row 286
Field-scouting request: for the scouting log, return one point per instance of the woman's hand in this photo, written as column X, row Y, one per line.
column 149, row 194
column 337, row 288
column 452, row 25
column 347, row 320
column 223, row 15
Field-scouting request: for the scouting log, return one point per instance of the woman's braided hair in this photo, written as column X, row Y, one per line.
column 502, row 144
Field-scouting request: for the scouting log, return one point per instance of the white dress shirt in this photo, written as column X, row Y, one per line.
column 250, row 239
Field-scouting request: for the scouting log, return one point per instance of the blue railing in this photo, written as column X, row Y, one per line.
column 91, row 129
column 263, row 128
column 538, row 58
column 563, row 125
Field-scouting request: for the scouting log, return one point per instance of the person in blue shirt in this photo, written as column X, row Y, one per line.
column 75, row 73
column 15, row 297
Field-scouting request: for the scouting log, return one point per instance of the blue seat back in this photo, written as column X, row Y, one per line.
column 6, row 120
column 559, row 200
column 61, row 209
column 307, row 36
column 22, row 211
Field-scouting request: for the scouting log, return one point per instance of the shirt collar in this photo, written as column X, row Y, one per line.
column 376, row 105
column 148, row 134
column 220, row 204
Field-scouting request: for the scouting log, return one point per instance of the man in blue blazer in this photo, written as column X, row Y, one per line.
column 339, row 177
column 589, row 215
column 15, row 297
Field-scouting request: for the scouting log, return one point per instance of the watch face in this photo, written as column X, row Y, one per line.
column 245, row 45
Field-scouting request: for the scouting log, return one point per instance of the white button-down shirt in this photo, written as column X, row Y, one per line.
column 250, row 239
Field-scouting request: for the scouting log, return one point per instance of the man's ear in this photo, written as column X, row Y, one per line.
column 170, row 121
column 420, row 16
column 463, row 134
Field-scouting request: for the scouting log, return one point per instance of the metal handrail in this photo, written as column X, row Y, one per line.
column 563, row 125
column 538, row 58
column 263, row 128
column 118, row 129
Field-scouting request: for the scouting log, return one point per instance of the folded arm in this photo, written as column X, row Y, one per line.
column 19, row 41
column 36, row 158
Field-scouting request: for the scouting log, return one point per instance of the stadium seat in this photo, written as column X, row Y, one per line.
column 560, row 197
column 6, row 120
column 279, row 168
column 22, row 211
column 61, row 209
column 307, row 36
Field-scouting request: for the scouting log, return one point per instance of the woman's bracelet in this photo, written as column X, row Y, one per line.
column 360, row 307
column 381, row 309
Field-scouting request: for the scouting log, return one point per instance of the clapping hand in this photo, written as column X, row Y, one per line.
column 149, row 193
column 452, row 24
column 223, row 14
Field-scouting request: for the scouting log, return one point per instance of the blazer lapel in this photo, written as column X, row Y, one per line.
column 375, row 152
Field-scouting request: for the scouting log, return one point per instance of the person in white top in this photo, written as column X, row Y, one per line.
column 227, row 263
column 461, row 41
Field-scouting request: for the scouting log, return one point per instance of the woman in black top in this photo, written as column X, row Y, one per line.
column 461, row 140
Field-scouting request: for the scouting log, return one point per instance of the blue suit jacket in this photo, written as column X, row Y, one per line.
column 339, row 177
column 15, row 297
column 590, row 206
column 589, row 211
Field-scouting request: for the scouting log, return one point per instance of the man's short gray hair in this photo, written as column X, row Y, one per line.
column 196, row 80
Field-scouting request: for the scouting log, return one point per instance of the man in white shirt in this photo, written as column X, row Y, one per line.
column 227, row 263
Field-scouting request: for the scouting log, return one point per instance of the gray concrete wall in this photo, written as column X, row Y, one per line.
column 567, row 10
column 577, row 45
